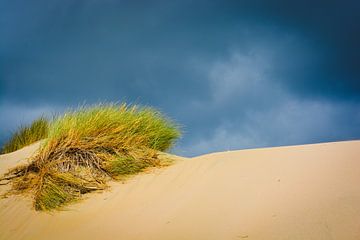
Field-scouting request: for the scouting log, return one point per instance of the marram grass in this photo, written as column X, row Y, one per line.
column 86, row 147
column 27, row 135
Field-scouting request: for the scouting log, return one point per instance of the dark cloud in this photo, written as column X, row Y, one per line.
column 235, row 73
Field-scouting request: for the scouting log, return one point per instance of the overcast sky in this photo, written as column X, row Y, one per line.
column 235, row 74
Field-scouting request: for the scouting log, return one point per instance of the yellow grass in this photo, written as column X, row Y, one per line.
column 88, row 146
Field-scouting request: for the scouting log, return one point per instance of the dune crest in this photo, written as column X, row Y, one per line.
column 297, row 192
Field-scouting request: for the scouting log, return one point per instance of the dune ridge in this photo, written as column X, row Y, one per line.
column 296, row 192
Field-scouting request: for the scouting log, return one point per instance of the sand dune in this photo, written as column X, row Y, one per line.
column 298, row 192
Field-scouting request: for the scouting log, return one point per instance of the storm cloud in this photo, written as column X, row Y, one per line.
column 235, row 74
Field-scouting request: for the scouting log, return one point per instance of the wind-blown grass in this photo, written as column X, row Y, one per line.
column 27, row 135
column 87, row 147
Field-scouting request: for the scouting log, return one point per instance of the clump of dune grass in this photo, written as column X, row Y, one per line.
column 27, row 135
column 88, row 146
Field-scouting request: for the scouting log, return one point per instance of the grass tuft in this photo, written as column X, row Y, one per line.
column 53, row 194
column 27, row 135
column 88, row 146
column 125, row 165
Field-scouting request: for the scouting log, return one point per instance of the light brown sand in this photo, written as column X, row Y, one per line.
column 299, row 192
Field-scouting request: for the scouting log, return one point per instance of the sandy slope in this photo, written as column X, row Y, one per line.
column 300, row 192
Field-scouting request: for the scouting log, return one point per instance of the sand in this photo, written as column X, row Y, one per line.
column 297, row 192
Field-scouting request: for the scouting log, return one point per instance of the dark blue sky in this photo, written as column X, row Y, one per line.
column 235, row 74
